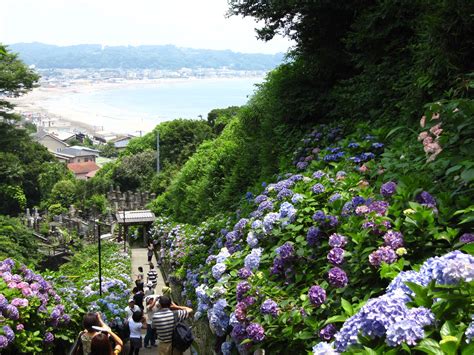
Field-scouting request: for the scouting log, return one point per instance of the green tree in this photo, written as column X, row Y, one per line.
column 63, row 193
column 15, row 79
column 17, row 241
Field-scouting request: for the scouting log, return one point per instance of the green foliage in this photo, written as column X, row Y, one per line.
column 17, row 241
column 220, row 117
column 135, row 171
column 63, row 193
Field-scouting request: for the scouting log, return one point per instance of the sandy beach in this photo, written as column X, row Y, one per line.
column 52, row 104
column 82, row 105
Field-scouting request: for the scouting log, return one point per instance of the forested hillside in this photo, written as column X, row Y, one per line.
column 140, row 57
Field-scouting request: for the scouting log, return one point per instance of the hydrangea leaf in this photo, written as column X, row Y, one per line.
column 429, row 346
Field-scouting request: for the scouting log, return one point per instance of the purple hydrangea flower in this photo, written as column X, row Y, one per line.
column 269, row 307
column 379, row 207
column 11, row 312
column 382, row 254
column 286, row 251
column 260, row 198
column 3, row 342
column 265, row 205
column 399, row 282
column 301, row 165
column 20, row 302
column 318, row 174
column 244, row 273
column 3, row 302
column 327, row 333
column 317, row 295
column 284, row 193
column 337, row 241
column 337, row 277
column 48, row 337
column 238, row 333
column 255, row 332
column 277, row 267
column 257, row 224
column 319, row 216
column 336, row 256
column 242, row 288
column 9, row 333
column 240, row 225
column 425, row 199
column 335, row 197
column 393, row 239
column 388, row 189
column 312, row 236
column 467, row 238
column 318, row 188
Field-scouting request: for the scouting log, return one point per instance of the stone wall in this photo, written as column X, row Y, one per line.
column 204, row 340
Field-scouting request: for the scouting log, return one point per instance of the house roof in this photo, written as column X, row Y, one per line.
column 140, row 216
column 92, row 173
column 78, row 151
column 38, row 137
column 83, row 168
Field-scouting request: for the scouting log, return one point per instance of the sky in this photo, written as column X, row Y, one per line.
column 184, row 23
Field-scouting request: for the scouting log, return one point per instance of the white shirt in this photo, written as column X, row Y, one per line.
column 135, row 329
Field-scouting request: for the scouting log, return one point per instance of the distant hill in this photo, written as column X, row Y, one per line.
column 140, row 57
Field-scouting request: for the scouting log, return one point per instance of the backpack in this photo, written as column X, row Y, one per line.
column 182, row 335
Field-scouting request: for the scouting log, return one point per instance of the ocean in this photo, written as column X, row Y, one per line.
column 140, row 107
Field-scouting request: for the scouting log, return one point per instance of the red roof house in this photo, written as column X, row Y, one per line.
column 83, row 171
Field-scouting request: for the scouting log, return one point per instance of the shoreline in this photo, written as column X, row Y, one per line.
column 44, row 103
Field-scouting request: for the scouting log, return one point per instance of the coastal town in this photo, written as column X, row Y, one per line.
column 58, row 77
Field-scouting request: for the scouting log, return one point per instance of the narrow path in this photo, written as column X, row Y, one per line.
column 139, row 258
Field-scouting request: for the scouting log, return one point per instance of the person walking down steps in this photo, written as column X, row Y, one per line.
column 150, row 248
column 152, row 276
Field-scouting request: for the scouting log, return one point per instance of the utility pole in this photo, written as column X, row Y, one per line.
column 157, row 152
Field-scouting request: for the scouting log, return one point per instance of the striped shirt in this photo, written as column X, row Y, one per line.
column 163, row 322
column 153, row 277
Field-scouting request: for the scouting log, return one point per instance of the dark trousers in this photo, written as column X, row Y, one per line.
column 150, row 336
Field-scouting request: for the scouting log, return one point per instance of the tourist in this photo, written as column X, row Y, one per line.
column 90, row 321
column 131, row 308
column 164, row 322
column 101, row 343
column 138, row 296
column 140, row 277
column 136, row 324
column 150, row 337
column 149, row 290
column 150, row 248
column 152, row 276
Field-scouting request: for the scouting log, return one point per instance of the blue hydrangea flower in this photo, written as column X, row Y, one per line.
column 335, row 197
column 288, row 211
column 269, row 307
column 404, row 331
column 312, row 236
column 252, row 240
column 318, row 174
column 218, row 270
column 252, row 261
column 269, row 221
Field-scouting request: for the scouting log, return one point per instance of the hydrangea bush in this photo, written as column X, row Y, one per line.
column 32, row 313
column 310, row 249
